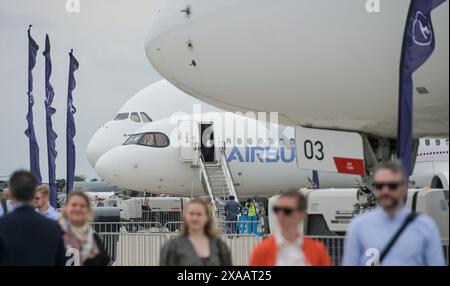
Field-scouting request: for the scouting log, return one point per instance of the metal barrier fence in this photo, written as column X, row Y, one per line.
column 139, row 244
column 161, row 217
column 143, row 249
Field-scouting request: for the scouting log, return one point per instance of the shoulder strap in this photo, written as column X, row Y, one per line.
column 409, row 219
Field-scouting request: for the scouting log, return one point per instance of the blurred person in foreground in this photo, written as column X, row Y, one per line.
column 392, row 234
column 79, row 234
column 42, row 203
column 288, row 246
column 197, row 244
column 26, row 237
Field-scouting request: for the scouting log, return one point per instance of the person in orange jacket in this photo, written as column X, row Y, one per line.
column 288, row 246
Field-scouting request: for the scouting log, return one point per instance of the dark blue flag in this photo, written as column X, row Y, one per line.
column 33, row 145
column 316, row 180
column 418, row 45
column 70, row 127
column 51, row 134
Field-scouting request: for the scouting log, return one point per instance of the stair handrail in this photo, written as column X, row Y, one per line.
column 227, row 172
column 208, row 183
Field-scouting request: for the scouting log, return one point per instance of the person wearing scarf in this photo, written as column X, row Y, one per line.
column 82, row 243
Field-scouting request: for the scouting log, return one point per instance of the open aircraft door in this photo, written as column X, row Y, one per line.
column 189, row 140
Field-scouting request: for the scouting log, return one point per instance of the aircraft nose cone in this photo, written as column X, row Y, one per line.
column 109, row 136
column 94, row 150
column 108, row 167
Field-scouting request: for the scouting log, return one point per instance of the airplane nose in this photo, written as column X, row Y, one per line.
column 106, row 138
column 94, row 149
column 116, row 167
column 108, row 167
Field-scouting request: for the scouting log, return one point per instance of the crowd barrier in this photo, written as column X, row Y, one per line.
column 139, row 243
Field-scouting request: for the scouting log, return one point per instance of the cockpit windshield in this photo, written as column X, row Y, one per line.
column 135, row 117
column 150, row 139
column 121, row 116
column 133, row 139
column 145, row 117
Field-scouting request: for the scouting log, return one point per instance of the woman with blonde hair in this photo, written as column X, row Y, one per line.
column 77, row 232
column 197, row 244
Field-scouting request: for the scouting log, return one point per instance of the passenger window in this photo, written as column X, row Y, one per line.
column 292, row 141
column 281, row 141
column 145, row 117
column 121, row 116
column 161, row 140
column 249, row 141
column 427, row 142
column 438, row 142
column 135, row 117
column 260, row 142
column 228, row 141
column 239, row 141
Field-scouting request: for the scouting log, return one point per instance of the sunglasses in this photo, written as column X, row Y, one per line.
column 286, row 211
column 392, row 186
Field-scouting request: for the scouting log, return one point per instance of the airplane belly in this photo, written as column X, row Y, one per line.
column 267, row 179
column 323, row 63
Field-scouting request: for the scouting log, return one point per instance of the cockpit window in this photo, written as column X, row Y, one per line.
column 121, row 116
column 135, row 117
column 133, row 139
column 145, row 117
column 151, row 139
column 147, row 139
column 161, row 140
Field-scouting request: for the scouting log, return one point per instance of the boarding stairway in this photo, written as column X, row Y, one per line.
column 219, row 185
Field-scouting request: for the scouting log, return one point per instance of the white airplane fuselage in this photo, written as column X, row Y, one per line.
column 256, row 169
column 323, row 63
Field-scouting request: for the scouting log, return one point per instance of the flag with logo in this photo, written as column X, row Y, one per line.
column 70, row 126
column 33, row 145
column 51, row 134
column 418, row 45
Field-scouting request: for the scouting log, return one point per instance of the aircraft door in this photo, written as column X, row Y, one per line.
column 188, row 140
column 207, row 142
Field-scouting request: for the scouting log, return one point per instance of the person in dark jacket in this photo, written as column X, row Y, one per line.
column 232, row 209
column 79, row 237
column 197, row 244
column 26, row 237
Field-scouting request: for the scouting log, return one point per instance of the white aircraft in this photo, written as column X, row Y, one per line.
column 154, row 102
column 156, row 159
column 324, row 64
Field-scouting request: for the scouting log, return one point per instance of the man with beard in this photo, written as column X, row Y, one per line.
column 392, row 234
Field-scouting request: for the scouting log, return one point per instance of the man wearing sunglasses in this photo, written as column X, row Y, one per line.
column 392, row 234
column 288, row 246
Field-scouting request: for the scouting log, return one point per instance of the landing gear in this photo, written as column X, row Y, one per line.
column 376, row 150
column 366, row 201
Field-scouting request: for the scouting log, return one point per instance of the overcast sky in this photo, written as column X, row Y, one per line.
column 108, row 40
